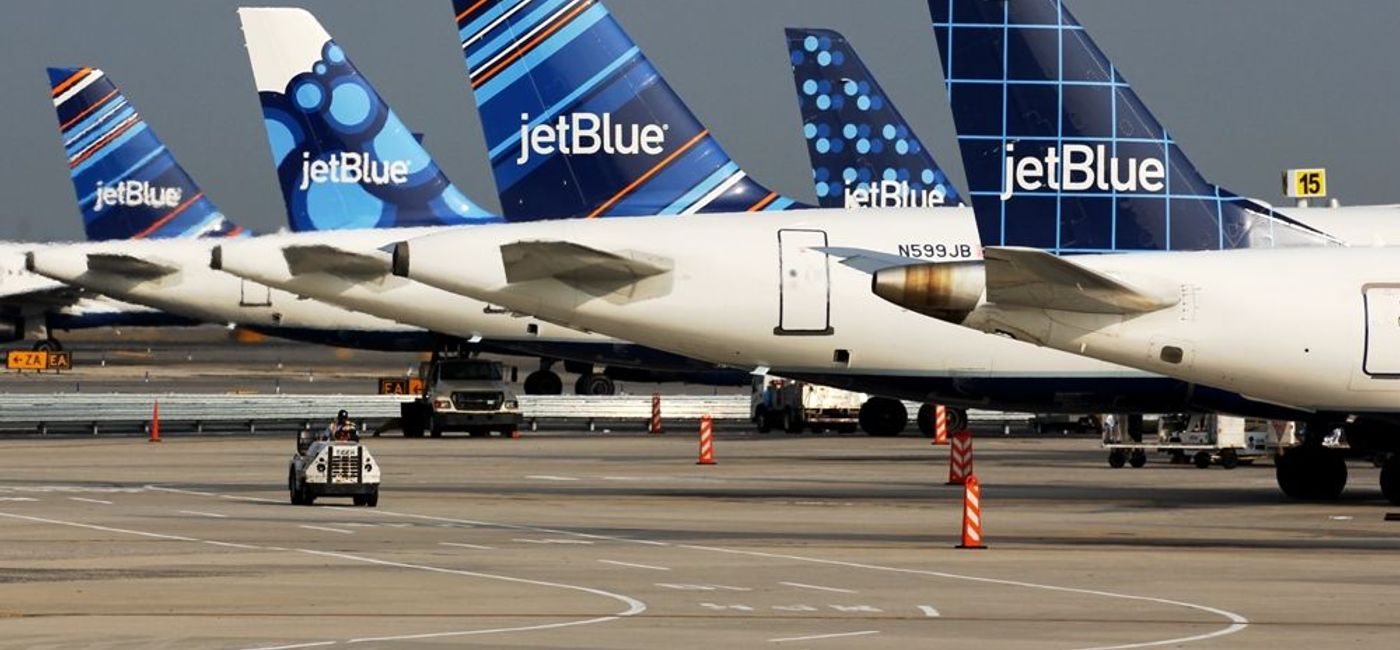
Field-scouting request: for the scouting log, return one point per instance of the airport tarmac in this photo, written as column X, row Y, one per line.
column 622, row 541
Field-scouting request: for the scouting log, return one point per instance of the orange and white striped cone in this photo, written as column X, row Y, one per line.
column 155, row 422
column 655, row 426
column 972, row 514
column 707, row 441
column 960, row 458
column 940, row 425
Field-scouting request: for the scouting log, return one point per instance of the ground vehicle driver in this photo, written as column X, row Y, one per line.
column 342, row 429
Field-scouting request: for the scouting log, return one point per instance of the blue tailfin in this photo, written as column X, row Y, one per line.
column 863, row 152
column 344, row 159
column 579, row 123
column 128, row 184
column 1061, row 154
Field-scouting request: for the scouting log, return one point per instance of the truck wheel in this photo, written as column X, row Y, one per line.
column 411, row 420
column 1138, row 459
column 1229, row 458
column 543, row 382
column 434, row 427
column 792, row 422
column 1201, row 460
column 359, row 499
column 1117, row 458
column 761, row 421
column 372, row 499
column 478, row 432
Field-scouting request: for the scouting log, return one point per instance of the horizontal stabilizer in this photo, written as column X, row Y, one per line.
column 129, row 266
column 868, row 261
column 320, row 258
column 1030, row 277
column 577, row 265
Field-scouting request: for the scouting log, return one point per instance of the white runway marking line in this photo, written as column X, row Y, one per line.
column 837, row 590
column 929, row 611
column 634, row 606
column 546, row 477
column 576, row 542
column 476, row 547
column 20, row 499
column 198, row 513
column 1237, row 622
column 342, row 531
column 85, row 500
column 818, row 637
column 635, row 566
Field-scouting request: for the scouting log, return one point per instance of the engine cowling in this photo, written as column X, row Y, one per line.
column 946, row 291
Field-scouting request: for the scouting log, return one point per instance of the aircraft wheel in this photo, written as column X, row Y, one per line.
column 1390, row 479
column 595, row 384
column 883, row 417
column 1311, row 473
column 544, row 382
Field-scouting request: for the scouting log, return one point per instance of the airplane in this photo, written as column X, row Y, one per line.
column 347, row 267
column 1236, row 295
column 761, row 294
column 153, row 228
column 35, row 307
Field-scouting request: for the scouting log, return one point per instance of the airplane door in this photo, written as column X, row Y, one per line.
column 804, row 300
column 1382, row 331
column 252, row 294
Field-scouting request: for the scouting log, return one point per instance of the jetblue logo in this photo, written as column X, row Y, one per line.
column 137, row 194
column 350, row 167
column 1081, row 168
column 587, row 133
column 894, row 194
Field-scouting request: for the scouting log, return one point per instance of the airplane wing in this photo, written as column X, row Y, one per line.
column 577, row 264
column 868, row 261
column 1034, row 278
column 128, row 265
column 320, row 258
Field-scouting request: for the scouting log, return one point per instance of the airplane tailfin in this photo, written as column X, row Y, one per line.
column 128, row 185
column 1061, row 154
column 863, row 152
column 579, row 123
column 344, row 159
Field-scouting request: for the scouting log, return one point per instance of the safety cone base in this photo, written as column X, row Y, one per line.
column 979, row 547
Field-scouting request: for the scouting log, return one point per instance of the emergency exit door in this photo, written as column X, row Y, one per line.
column 805, row 284
column 1382, row 331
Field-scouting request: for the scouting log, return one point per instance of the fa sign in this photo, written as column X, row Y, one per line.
column 1305, row 183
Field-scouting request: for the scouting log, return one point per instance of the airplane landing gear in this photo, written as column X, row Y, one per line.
column 1390, row 479
column 48, row 345
column 595, row 384
column 883, row 417
column 1312, row 472
column 544, row 382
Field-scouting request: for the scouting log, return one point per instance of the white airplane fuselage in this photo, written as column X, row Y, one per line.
column 263, row 260
column 183, row 284
column 1314, row 329
column 749, row 291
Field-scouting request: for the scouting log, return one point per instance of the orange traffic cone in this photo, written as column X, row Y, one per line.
column 707, row 441
column 940, row 425
column 655, row 426
column 960, row 458
column 972, row 514
column 155, row 422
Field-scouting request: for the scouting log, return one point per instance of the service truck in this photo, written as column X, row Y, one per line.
column 461, row 394
column 796, row 405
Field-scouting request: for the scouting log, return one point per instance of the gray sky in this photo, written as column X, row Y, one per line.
column 1249, row 87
